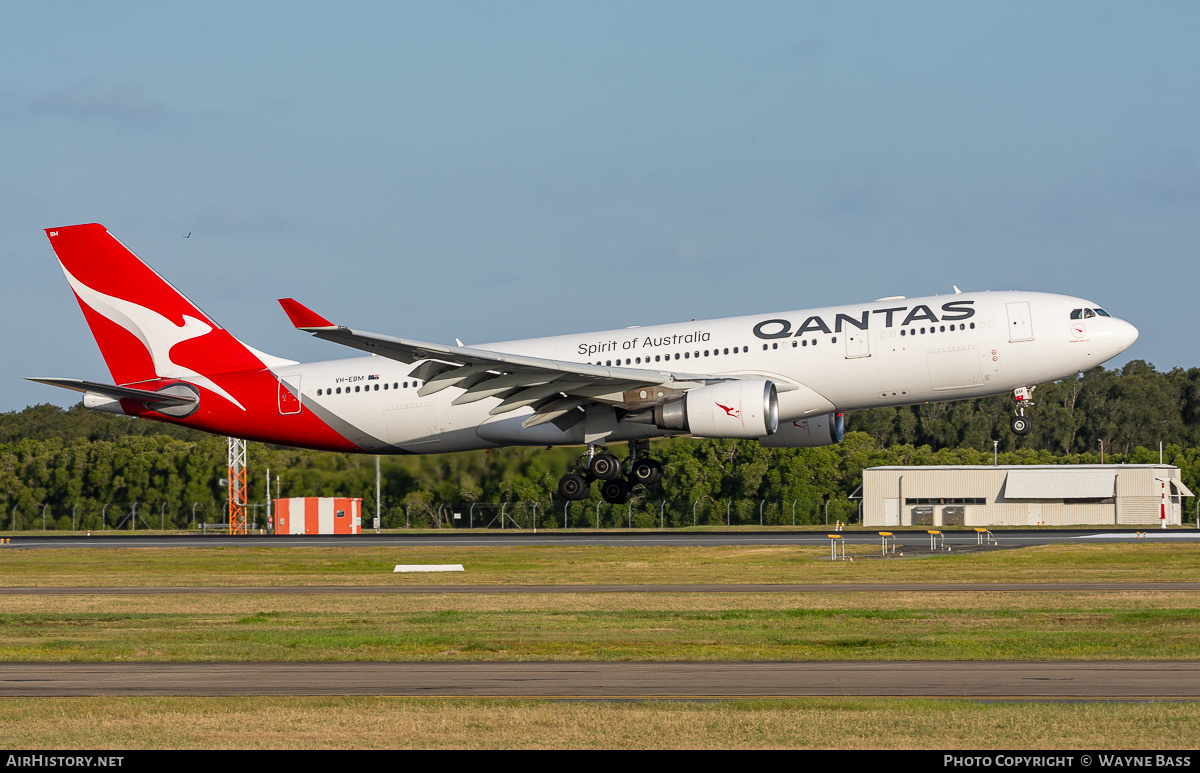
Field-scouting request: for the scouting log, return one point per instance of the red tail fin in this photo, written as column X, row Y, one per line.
column 146, row 329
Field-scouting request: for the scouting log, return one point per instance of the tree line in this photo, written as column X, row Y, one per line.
column 75, row 468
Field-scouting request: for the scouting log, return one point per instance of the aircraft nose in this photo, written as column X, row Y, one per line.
column 1125, row 335
column 1114, row 337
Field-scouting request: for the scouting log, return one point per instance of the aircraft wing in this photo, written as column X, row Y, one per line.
column 555, row 388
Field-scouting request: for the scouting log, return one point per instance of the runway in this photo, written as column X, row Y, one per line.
column 915, row 538
column 860, row 587
column 1165, row 680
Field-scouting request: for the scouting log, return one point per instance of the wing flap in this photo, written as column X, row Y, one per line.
column 498, row 386
column 555, row 410
column 532, row 395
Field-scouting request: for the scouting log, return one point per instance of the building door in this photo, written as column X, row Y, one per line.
column 891, row 512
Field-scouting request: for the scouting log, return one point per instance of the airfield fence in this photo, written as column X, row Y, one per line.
column 528, row 514
column 644, row 514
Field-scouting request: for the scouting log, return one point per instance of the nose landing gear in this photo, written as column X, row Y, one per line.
column 1020, row 423
column 605, row 467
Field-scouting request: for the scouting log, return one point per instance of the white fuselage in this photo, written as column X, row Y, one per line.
column 884, row 353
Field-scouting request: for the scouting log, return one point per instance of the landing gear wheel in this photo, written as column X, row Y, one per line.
column 646, row 471
column 605, row 467
column 573, row 487
column 616, row 492
column 1021, row 425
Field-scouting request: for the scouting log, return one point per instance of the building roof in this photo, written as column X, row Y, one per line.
column 1060, row 484
column 1061, row 467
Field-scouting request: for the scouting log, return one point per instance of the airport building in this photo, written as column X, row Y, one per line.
column 1023, row 495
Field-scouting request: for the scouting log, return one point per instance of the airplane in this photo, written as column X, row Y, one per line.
column 785, row 379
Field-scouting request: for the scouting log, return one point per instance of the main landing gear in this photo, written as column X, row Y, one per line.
column 1020, row 423
column 604, row 467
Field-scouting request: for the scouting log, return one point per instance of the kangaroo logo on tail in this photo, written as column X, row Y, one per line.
column 157, row 333
column 122, row 297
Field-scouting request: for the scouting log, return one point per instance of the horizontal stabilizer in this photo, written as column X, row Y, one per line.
column 118, row 392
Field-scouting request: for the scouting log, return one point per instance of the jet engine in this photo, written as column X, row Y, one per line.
column 824, row 429
column 739, row 408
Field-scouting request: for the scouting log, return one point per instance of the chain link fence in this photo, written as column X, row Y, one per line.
column 644, row 514
column 528, row 514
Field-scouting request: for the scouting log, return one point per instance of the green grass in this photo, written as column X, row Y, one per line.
column 552, row 564
column 606, row 627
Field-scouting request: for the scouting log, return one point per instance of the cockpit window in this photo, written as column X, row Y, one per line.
column 1103, row 313
column 1076, row 313
column 1088, row 313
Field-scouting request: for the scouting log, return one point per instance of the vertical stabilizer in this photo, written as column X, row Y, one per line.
column 146, row 329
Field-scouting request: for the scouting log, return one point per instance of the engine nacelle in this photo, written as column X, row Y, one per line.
column 824, row 429
column 740, row 408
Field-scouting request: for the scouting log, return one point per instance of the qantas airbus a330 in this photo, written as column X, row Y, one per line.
column 784, row 379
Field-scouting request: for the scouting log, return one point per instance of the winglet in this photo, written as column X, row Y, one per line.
column 303, row 317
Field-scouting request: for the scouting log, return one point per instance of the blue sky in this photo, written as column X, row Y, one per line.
column 491, row 171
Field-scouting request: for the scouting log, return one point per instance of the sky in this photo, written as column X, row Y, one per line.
column 491, row 171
